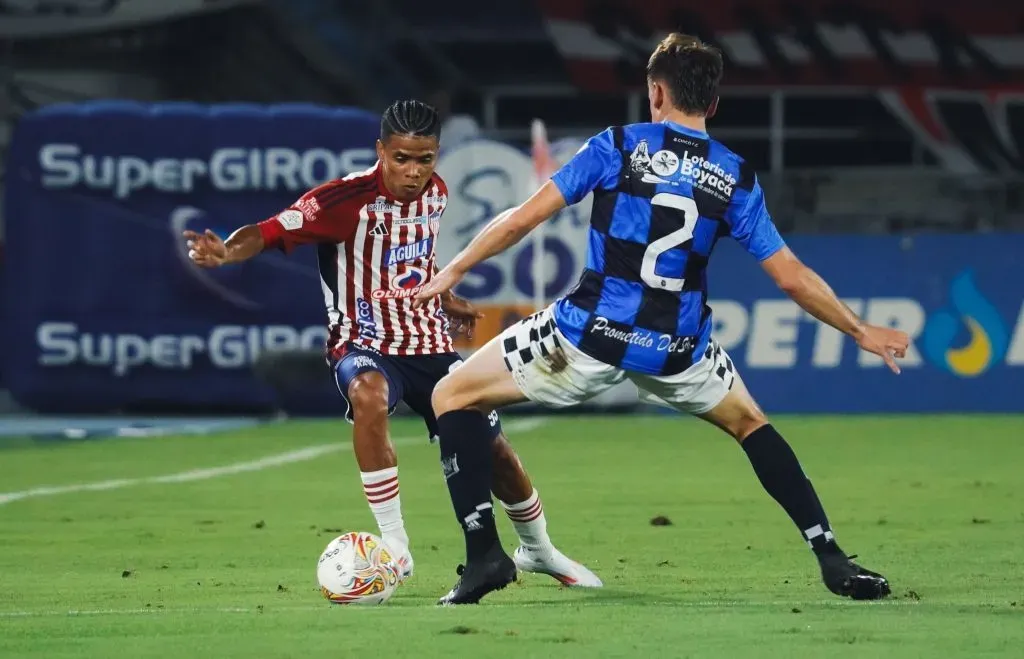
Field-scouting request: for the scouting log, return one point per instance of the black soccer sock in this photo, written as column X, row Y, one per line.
column 466, row 462
column 782, row 477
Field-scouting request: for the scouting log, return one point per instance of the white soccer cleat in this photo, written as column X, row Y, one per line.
column 567, row 571
column 403, row 557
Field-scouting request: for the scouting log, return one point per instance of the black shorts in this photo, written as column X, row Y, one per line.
column 410, row 379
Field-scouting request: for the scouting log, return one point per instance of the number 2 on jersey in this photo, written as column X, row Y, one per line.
column 688, row 207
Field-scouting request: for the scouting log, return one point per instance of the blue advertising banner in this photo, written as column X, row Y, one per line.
column 104, row 309
column 960, row 297
column 105, row 312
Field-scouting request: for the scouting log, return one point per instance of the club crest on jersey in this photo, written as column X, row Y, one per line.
column 404, row 284
column 435, row 222
column 405, row 253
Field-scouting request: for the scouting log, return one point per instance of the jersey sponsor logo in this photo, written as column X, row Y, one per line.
column 404, row 284
column 435, row 201
column 362, row 361
column 309, row 207
column 364, row 318
column 665, row 163
column 642, row 337
column 640, row 159
column 381, row 206
column 290, row 219
column 412, row 252
column 666, row 167
column 381, row 229
column 706, row 175
column 409, row 221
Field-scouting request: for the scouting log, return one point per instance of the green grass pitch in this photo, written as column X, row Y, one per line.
column 162, row 559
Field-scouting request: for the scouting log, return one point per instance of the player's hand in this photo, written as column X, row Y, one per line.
column 887, row 343
column 206, row 249
column 461, row 314
column 444, row 281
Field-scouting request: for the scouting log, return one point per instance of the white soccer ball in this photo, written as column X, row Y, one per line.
column 356, row 568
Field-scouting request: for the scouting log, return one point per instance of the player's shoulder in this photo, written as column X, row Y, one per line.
column 437, row 186
column 343, row 193
column 731, row 161
column 351, row 185
column 742, row 169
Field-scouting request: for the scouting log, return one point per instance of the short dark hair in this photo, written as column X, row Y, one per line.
column 690, row 68
column 410, row 117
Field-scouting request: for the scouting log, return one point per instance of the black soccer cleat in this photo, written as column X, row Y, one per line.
column 845, row 578
column 493, row 572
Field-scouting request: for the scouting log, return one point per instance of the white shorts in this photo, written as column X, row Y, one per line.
column 552, row 372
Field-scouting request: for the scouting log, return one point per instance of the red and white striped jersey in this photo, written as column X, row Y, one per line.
column 374, row 254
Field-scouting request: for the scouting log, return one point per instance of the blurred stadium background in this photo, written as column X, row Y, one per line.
column 889, row 136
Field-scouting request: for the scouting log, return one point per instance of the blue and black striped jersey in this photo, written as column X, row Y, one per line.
column 663, row 195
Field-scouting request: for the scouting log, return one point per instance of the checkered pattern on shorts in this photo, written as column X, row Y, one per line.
column 723, row 367
column 533, row 336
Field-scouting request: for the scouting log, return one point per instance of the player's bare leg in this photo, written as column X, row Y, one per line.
column 378, row 464
column 525, row 510
column 783, row 478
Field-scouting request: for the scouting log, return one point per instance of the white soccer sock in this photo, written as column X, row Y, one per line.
column 530, row 524
column 381, row 489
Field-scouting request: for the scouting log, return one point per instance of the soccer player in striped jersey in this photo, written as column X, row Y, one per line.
column 664, row 193
column 375, row 233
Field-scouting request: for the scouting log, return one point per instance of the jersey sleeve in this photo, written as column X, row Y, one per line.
column 308, row 221
column 595, row 166
column 749, row 221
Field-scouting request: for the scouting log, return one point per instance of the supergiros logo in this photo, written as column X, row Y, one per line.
column 969, row 336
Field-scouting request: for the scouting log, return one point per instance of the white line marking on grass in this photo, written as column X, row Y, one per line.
column 696, row 604
column 278, row 460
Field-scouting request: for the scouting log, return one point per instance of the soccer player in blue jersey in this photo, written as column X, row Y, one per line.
column 664, row 193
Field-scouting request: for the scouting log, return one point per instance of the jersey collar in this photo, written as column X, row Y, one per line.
column 683, row 129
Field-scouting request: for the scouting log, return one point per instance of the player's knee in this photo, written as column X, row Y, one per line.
column 746, row 423
column 449, row 395
column 368, row 394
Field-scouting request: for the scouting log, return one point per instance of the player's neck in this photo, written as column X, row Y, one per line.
column 693, row 122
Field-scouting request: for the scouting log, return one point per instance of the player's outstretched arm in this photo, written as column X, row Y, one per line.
column 209, row 251
column 505, row 230
column 805, row 287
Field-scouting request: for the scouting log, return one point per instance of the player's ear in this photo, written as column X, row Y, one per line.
column 659, row 98
column 712, row 109
column 380, row 150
